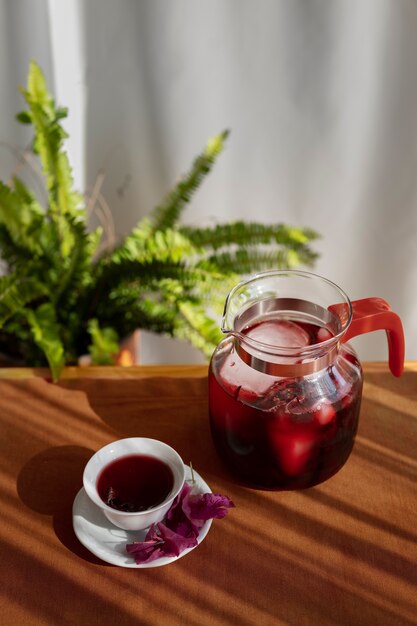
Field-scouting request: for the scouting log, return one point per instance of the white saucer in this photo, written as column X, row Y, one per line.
column 108, row 542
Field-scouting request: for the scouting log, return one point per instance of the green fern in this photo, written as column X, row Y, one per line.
column 48, row 143
column 104, row 343
column 61, row 297
column 20, row 214
column 248, row 233
column 16, row 293
column 245, row 260
column 46, row 334
column 167, row 214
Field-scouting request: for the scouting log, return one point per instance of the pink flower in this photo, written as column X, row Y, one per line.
column 177, row 518
column 181, row 525
column 160, row 541
column 207, row 506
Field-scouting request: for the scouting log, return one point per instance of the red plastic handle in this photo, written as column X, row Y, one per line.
column 372, row 314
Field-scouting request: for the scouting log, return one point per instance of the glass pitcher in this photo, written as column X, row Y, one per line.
column 284, row 386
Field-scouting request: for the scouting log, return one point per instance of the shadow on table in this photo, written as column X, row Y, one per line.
column 174, row 410
column 387, row 381
column 48, row 484
column 387, row 421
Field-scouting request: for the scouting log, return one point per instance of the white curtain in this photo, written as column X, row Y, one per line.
column 320, row 96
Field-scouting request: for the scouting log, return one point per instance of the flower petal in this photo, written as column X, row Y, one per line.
column 174, row 543
column 181, row 525
column 176, row 507
column 160, row 541
column 207, row 506
column 176, row 519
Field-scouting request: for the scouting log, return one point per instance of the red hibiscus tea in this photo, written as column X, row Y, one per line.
column 134, row 483
column 284, row 433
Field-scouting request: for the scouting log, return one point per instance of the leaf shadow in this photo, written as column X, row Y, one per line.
column 173, row 410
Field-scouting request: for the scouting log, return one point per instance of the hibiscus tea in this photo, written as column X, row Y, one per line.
column 136, row 482
column 284, row 433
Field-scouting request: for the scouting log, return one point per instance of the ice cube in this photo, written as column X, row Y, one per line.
column 324, row 414
column 282, row 333
column 323, row 335
column 243, row 381
column 293, row 450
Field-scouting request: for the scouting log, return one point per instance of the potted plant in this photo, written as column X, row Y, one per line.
column 63, row 295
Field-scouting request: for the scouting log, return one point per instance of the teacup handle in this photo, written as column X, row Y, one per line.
column 372, row 314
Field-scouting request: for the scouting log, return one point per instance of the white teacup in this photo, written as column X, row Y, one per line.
column 137, row 520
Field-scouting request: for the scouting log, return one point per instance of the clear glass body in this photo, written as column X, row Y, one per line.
column 284, row 390
column 283, row 433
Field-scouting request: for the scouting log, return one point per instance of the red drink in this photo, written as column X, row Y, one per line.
column 284, row 433
column 136, row 482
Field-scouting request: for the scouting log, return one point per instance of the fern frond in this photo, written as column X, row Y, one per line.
column 104, row 343
column 129, row 308
column 246, row 260
column 20, row 214
column 157, row 317
column 46, row 334
column 167, row 214
column 198, row 328
column 12, row 254
column 147, row 274
column 49, row 137
column 248, row 233
column 75, row 272
column 144, row 245
column 27, row 199
column 144, row 258
column 48, row 144
column 16, row 293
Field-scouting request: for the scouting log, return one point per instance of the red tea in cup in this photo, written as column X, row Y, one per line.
column 137, row 482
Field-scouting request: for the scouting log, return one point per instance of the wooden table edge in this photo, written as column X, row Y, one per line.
column 134, row 371
column 147, row 371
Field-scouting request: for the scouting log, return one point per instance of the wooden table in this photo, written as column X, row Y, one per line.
column 340, row 553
